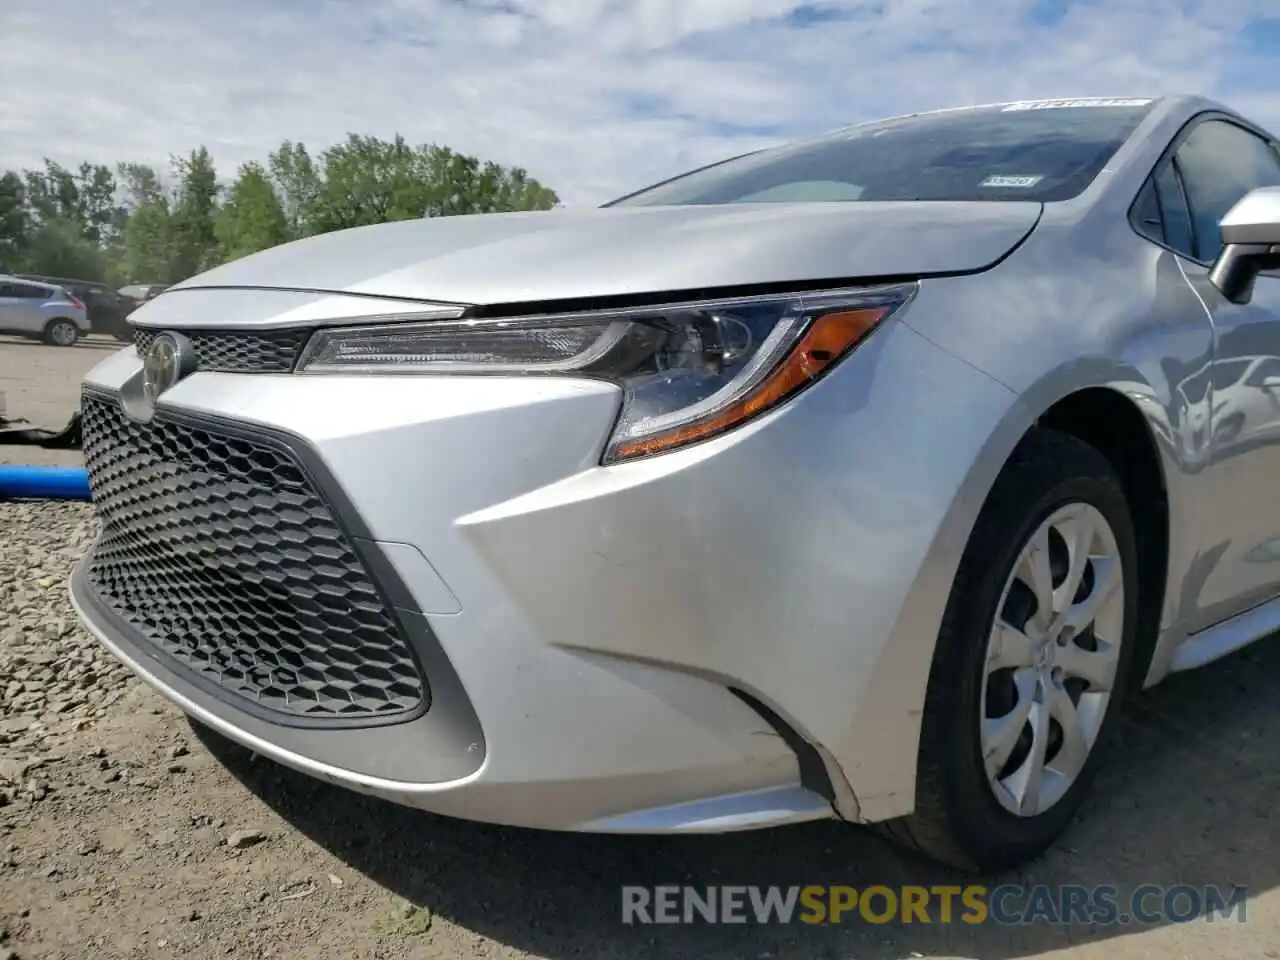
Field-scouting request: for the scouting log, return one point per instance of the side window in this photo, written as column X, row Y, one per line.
column 1221, row 162
column 6, row 290
column 1160, row 211
column 28, row 292
column 1173, row 209
column 1145, row 216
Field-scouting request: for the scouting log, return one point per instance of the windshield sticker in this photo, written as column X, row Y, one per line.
column 1010, row 181
column 1069, row 104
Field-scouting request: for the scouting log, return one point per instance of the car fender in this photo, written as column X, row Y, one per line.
column 883, row 742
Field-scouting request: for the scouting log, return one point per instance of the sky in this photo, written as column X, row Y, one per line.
column 594, row 98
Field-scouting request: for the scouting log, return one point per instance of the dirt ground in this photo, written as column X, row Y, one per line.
column 125, row 832
column 42, row 385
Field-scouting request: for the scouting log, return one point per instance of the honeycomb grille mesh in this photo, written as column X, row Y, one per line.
column 221, row 351
column 218, row 551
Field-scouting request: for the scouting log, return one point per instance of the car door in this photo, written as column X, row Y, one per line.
column 29, row 314
column 11, row 308
column 1214, row 163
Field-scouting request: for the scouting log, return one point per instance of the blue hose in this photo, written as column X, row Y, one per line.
column 44, row 483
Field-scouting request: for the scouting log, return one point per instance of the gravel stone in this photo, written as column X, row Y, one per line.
column 241, row 839
column 52, row 673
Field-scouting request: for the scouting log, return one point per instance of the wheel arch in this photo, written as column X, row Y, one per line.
column 1112, row 423
column 1115, row 410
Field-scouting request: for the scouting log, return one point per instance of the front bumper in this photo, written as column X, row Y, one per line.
column 695, row 641
column 518, row 730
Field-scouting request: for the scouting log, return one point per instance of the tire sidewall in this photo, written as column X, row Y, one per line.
column 54, row 325
column 979, row 821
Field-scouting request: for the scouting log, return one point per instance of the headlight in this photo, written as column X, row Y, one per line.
column 688, row 372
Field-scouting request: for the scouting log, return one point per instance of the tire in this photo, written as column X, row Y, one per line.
column 961, row 817
column 61, row 333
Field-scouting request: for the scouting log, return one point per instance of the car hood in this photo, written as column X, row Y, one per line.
column 559, row 255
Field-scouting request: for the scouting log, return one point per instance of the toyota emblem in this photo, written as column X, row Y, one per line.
column 167, row 360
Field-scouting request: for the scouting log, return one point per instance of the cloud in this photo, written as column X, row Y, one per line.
column 593, row 97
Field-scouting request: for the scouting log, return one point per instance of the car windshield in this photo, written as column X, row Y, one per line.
column 1041, row 150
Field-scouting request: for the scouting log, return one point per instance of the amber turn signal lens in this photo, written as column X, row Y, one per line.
column 828, row 338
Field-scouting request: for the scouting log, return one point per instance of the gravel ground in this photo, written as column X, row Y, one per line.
column 127, row 832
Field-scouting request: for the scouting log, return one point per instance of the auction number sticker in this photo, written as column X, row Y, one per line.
column 1011, row 181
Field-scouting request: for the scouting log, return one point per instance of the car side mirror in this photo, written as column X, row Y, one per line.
column 1250, row 244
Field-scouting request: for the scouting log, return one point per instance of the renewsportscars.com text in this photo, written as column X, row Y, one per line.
column 1010, row 904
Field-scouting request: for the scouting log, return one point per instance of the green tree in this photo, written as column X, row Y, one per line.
column 298, row 183
column 457, row 183
column 251, row 218
column 52, row 194
column 59, row 248
column 99, row 210
column 139, row 184
column 136, row 224
column 518, row 191
column 86, row 198
column 366, row 180
column 146, row 247
column 195, row 244
column 14, row 221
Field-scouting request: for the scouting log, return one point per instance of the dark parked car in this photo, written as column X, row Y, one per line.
column 136, row 294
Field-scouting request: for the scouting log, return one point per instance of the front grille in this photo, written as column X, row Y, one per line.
column 225, row 351
column 217, row 549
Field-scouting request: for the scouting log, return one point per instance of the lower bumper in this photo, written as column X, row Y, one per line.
column 756, row 791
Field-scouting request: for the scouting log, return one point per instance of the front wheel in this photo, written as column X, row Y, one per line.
column 1032, row 662
column 61, row 333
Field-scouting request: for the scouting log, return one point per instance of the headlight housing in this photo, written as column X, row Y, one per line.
column 688, row 371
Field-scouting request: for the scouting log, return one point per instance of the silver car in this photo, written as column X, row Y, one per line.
column 850, row 479
column 32, row 309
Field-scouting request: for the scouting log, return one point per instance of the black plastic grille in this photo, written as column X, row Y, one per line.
column 224, row 351
column 218, row 550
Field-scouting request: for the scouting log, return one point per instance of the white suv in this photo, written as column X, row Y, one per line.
column 32, row 309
